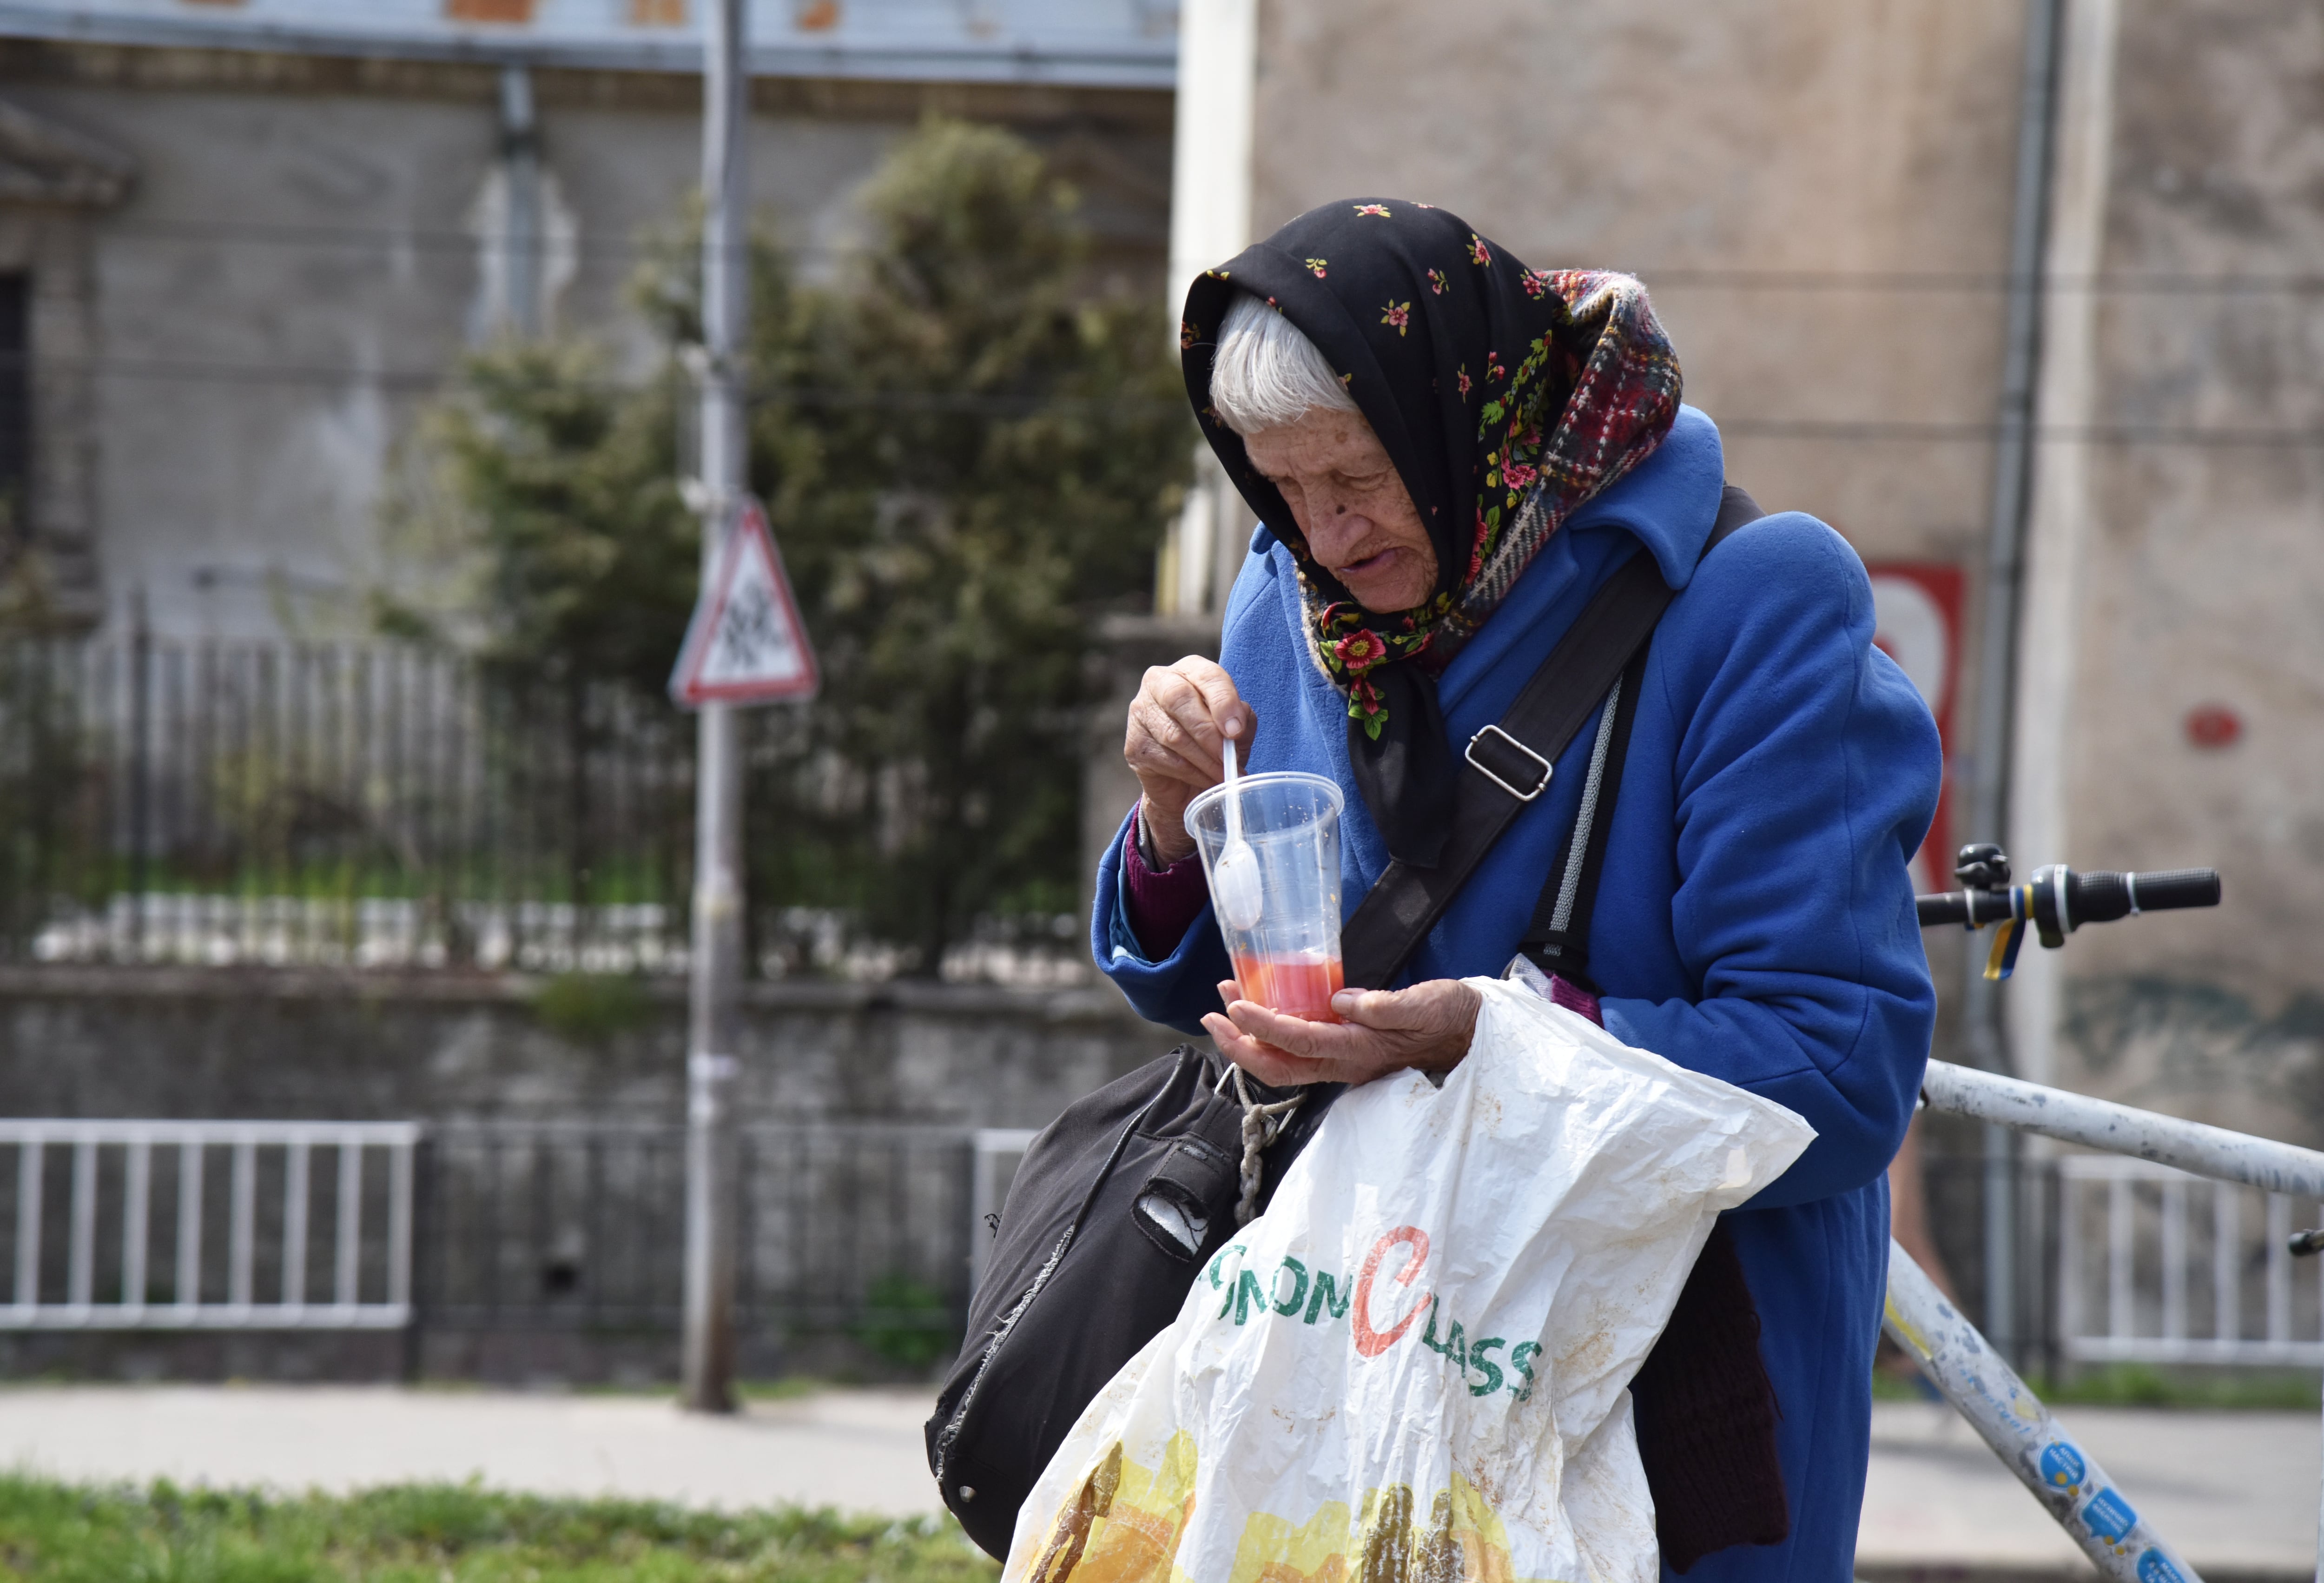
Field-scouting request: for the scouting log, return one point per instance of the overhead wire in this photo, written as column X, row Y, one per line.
column 464, row 243
column 467, row 241
column 417, row 380
column 1863, row 431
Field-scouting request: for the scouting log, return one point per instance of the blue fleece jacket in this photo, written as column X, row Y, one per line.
column 1754, row 917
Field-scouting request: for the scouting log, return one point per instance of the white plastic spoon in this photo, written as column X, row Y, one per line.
column 1234, row 878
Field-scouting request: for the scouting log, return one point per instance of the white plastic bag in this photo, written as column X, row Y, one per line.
column 1411, row 1368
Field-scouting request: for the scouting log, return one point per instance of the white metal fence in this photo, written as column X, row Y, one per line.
column 996, row 1154
column 2156, row 1266
column 277, row 1213
column 157, row 1226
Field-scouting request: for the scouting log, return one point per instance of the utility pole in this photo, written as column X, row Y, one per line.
column 711, row 1186
column 1997, row 675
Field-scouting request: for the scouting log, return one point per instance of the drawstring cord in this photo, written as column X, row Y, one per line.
column 1261, row 1125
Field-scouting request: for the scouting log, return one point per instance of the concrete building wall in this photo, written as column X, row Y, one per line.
column 1816, row 194
column 310, row 246
column 2196, row 580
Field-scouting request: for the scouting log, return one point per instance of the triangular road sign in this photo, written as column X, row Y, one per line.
column 746, row 643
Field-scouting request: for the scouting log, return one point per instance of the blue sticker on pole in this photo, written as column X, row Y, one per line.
column 2109, row 1516
column 2062, row 1466
column 2154, row 1567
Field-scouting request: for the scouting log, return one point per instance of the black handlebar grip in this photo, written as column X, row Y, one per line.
column 2099, row 898
column 2176, row 887
column 2102, row 897
column 1945, row 907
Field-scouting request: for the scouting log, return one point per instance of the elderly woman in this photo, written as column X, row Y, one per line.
column 1449, row 453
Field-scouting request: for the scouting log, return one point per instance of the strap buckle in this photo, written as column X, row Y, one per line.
column 1489, row 772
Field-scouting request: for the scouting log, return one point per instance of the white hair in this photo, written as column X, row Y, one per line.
column 1267, row 374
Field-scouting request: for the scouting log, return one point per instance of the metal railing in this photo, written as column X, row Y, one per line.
column 996, row 1152
column 2158, row 1266
column 381, row 806
column 204, row 802
column 102, row 1273
column 479, row 1227
column 1980, row 1384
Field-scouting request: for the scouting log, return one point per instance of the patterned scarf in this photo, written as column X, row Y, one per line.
column 1505, row 396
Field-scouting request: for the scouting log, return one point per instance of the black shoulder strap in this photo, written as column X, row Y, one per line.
column 1509, row 761
column 1509, row 767
column 1558, row 939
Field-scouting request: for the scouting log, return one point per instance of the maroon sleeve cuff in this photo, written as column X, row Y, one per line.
column 1160, row 907
column 1574, row 998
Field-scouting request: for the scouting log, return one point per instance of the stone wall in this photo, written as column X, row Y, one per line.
column 344, row 1046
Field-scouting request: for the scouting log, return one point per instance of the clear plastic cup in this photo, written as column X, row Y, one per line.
column 1289, row 961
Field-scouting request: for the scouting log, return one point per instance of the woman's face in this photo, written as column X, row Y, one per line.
column 1352, row 505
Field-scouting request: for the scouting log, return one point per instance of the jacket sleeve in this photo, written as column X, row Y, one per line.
column 1806, row 773
column 1178, row 990
column 1175, row 991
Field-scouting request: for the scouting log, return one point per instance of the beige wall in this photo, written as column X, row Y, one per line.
column 2202, row 570
column 1769, row 169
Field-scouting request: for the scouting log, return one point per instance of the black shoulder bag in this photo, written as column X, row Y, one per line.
column 1119, row 1200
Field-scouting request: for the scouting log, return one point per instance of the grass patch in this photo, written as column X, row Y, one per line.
column 2139, row 1384
column 1898, row 1387
column 593, row 1008
column 907, row 1323
column 450, row 1533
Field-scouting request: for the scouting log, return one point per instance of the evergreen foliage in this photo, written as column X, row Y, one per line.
column 967, row 456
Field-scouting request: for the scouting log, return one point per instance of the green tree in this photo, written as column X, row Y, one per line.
column 567, row 485
column 967, row 455
column 980, row 468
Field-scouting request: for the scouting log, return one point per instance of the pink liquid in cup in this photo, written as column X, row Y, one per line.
column 1297, row 986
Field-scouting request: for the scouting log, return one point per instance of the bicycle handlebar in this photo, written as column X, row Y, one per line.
column 2058, row 901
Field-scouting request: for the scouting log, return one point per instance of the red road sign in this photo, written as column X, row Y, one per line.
column 746, row 643
column 1917, row 612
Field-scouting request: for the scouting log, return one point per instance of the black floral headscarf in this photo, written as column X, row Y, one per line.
column 1505, row 396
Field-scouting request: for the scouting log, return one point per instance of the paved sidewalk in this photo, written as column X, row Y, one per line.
column 2236, row 1491
column 856, row 1450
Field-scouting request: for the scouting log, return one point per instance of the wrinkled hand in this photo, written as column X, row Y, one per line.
column 1427, row 1026
column 1179, row 723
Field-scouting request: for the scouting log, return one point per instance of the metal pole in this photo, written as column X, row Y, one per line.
column 2065, row 1478
column 521, row 166
column 717, row 947
column 2119, row 1129
column 140, row 772
column 1998, row 648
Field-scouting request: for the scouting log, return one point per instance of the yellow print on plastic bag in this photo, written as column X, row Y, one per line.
column 1462, row 1540
column 1125, row 1523
column 1122, row 1525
